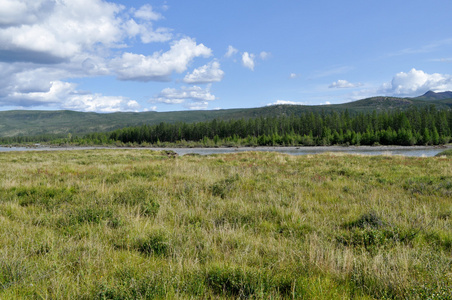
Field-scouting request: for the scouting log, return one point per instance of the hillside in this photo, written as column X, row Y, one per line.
column 22, row 123
column 430, row 95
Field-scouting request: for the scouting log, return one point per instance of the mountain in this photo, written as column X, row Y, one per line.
column 28, row 123
column 430, row 95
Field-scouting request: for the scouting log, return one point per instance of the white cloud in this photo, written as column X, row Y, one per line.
column 158, row 35
column 46, row 43
column 146, row 13
column 152, row 108
column 264, row 55
column 205, row 74
column 100, row 103
column 344, row 84
column 406, row 84
column 65, row 96
column 91, row 66
column 52, row 94
column 48, row 31
column 159, row 66
column 60, row 29
column 285, row 102
column 293, row 75
column 416, row 82
column 248, row 60
column 178, row 96
column 146, row 33
column 197, row 105
column 16, row 79
column 231, row 51
column 15, row 12
column 326, row 103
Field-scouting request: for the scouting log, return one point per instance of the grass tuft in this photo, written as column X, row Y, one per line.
column 155, row 243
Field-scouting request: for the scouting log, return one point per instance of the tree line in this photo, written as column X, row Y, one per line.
column 412, row 127
column 426, row 126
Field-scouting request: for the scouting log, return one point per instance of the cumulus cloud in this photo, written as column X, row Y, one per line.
column 344, row 84
column 48, row 31
column 293, row 75
column 248, row 60
column 205, row 74
column 416, row 82
column 231, row 51
column 60, row 29
column 100, row 103
column 285, row 102
column 46, row 43
column 159, row 66
column 17, row 80
column 66, row 96
column 406, row 84
column 195, row 94
column 16, row 12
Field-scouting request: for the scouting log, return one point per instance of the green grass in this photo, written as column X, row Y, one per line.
column 139, row 224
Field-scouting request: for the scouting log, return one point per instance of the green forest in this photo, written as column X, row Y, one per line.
column 416, row 126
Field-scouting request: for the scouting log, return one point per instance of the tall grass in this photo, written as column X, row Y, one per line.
column 139, row 224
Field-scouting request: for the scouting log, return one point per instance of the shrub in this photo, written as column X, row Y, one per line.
column 366, row 220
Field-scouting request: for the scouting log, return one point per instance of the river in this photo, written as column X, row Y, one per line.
column 416, row 151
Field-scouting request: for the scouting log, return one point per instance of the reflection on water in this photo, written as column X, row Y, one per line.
column 405, row 151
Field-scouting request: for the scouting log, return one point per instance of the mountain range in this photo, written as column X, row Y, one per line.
column 29, row 123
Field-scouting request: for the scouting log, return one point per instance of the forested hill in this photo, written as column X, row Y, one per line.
column 29, row 123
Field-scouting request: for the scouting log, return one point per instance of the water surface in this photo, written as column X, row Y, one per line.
column 416, row 151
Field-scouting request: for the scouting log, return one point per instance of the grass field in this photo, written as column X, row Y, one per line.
column 137, row 224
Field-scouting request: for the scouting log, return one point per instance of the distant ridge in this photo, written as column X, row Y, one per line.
column 431, row 95
column 63, row 122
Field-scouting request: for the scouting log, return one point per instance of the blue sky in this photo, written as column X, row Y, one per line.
column 105, row 56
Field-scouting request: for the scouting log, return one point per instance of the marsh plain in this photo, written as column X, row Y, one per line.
column 143, row 224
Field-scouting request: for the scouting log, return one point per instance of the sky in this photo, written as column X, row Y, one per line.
column 171, row 55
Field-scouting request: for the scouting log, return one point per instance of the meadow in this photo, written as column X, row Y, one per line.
column 142, row 224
